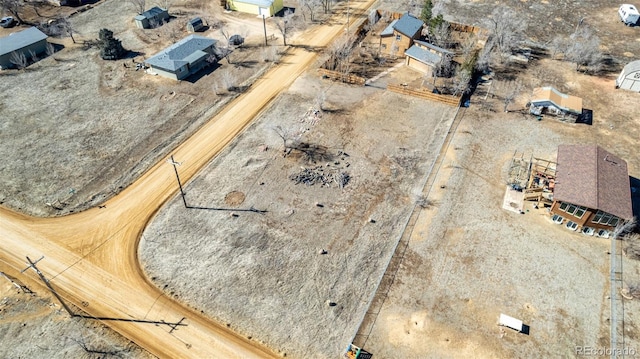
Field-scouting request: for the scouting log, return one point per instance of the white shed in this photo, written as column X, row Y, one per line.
column 629, row 78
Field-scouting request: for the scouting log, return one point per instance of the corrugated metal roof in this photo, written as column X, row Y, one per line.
column 631, row 67
column 564, row 102
column 180, row 53
column 18, row 40
column 388, row 31
column 153, row 12
column 408, row 25
column 433, row 47
column 422, row 55
column 589, row 176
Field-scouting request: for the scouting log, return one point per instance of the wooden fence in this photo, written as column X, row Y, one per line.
column 338, row 76
column 425, row 94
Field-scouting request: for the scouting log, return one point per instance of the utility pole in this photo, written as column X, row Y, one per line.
column 264, row 25
column 175, row 169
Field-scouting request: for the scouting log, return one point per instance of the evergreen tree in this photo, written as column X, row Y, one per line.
column 110, row 47
column 426, row 11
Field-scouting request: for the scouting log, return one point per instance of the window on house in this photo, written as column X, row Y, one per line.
column 398, row 37
column 572, row 225
column 605, row 219
column 572, row 209
column 603, row 233
column 557, row 219
column 588, row 231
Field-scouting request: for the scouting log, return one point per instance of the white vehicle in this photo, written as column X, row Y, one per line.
column 628, row 14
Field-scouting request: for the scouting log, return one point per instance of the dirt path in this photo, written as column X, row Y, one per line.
column 91, row 257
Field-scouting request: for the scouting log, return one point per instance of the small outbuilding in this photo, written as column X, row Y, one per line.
column 27, row 42
column 629, row 78
column 265, row 8
column 424, row 56
column 151, row 18
column 195, row 25
column 184, row 58
column 551, row 101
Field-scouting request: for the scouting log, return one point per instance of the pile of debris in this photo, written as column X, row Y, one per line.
column 321, row 175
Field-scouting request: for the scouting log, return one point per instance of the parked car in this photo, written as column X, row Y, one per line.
column 628, row 14
column 7, row 21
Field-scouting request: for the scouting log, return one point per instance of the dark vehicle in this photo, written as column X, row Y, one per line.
column 7, row 21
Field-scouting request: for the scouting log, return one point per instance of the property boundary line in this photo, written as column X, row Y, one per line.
column 364, row 330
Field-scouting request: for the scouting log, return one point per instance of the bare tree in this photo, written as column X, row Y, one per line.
column 13, row 7
column 511, row 90
column 326, row 5
column 559, row 45
column 139, row 5
column 50, row 50
column 340, row 52
column 584, row 49
column 321, row 97
column 286, row 25
column 309, row 7
column 64, row 27
column 286, row 136
column 441, row 34
column 229, row 80
column 507, row 29
column 19, row 59
column 166, row 4
column 33, row 56
column 461, row 82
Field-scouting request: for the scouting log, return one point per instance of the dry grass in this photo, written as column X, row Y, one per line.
column 264, row 273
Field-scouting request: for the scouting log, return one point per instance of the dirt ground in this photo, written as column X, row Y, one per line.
column 468, row 260
column 264, row 273
column 102, row 123
column 47, row 331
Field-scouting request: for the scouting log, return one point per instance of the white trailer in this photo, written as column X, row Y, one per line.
column 628, row 14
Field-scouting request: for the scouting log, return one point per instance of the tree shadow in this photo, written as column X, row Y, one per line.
column 245, row 64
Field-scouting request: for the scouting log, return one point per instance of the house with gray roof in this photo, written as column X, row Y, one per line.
column 184, row 58
column 26, row 42
column 399, row 36
column 424, row 56
column 151, row 18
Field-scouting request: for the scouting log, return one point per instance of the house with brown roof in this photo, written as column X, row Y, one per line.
column 547, row 100
column 396, row 38
column 592, row 191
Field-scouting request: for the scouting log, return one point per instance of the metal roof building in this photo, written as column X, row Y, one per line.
column 183, row 58
column 25, row 42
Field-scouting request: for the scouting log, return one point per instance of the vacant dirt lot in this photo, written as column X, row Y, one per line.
column 264, row 273
column 85, row 128
column 32, row 326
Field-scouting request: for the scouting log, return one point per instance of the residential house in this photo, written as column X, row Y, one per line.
column 151, row 18
column 592, row 192
column 424, row 56
column 550, row 101
column 28, row 42
column 400, row 35
column 629, row 78
column 265, row 8
column 184, row 58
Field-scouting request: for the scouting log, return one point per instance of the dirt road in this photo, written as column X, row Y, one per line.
column 91, row 257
